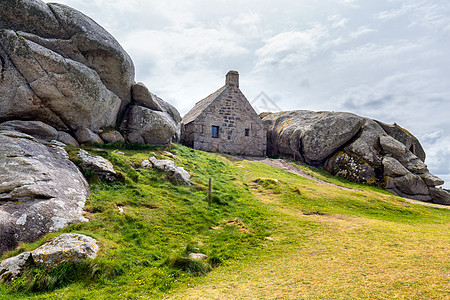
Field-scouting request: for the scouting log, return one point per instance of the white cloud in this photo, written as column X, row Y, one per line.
column 360, row 31
column 290, row 47
column 432, row 14
column 177, row 62
column 193, row 43
column 250, row 23
column 432, row 137
column 394, row 13
column 438, row 155
column 351, row 3
column 424, row 13
column 405, row 98
column 337, row 21
column 376, row 52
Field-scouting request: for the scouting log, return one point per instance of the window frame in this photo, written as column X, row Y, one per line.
column 247, row 131
column 215, row 131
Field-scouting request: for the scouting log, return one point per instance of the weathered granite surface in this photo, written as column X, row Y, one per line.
column 60, row 67
column 63, row 249
column 41, row 190
column 357, row 148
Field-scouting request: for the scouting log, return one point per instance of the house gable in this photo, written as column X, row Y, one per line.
column 225, row 122
column 201, row 105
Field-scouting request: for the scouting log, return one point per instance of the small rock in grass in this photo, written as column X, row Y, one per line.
column 198, row 256
column 64, row 249
column 178, row 173
column 146, row 163
column 97, row 164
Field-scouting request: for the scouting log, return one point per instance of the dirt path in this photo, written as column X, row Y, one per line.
column 427, row 203
column 289, row 167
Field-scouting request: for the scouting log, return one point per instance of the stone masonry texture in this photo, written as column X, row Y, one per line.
column 230, row 111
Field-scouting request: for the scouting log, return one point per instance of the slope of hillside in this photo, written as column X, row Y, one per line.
column 268, row 234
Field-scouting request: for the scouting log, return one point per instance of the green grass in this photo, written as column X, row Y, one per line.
column 264, row 238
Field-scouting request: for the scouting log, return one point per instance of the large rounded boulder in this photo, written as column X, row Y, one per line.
column 359, row 149
column 41, row 190
column 150, row 120
column 312, row 136
column 60, row 67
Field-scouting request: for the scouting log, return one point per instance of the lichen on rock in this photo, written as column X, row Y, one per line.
column 359, row 149
column 41, row 190
column 63, row 249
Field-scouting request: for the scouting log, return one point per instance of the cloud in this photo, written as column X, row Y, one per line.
column 250, row 24
column 405, row 97
column 438, row 155
column 376, row 52
column 363, row 30
column 432, row 137
column 351, row 3
column 428, row 14
column 433, row 15
column 290, row 47
column 179, row 63
column 394, row 13
column 337, row 21
column 193, row 43
column 178, row 50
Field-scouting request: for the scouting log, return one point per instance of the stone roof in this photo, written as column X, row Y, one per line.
column 202, row 105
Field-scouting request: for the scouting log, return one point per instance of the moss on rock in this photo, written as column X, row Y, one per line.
column 354, row 168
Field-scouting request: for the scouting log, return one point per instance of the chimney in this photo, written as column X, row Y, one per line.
column 232, row 79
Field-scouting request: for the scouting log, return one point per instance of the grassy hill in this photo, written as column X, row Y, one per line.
column 268, row 234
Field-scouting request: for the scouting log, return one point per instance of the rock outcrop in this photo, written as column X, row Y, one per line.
column 36, row 129
column 440, row 195
column 167, row 165
column 64, row 249
column 150, row 120
column 40, row 189
column 112, row 136
column 86, row 136
column 357, row 148
column 97, row 164
column 60, row 67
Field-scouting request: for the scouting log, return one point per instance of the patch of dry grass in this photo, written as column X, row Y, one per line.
column 340, row 256
column 350, row 258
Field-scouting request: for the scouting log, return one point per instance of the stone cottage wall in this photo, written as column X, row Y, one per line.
column 232, row 113
column 188, row 134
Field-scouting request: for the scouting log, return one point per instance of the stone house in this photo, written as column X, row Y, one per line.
column 225, row 122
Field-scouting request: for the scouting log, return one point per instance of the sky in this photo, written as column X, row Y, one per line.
column 385, row 59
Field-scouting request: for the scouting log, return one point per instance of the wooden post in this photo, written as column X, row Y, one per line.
column 210, row 190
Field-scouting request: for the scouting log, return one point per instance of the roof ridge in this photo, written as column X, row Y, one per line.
column 201, row 105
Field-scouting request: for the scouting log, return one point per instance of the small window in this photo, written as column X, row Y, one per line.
column 215, row 131
column 247, row 132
